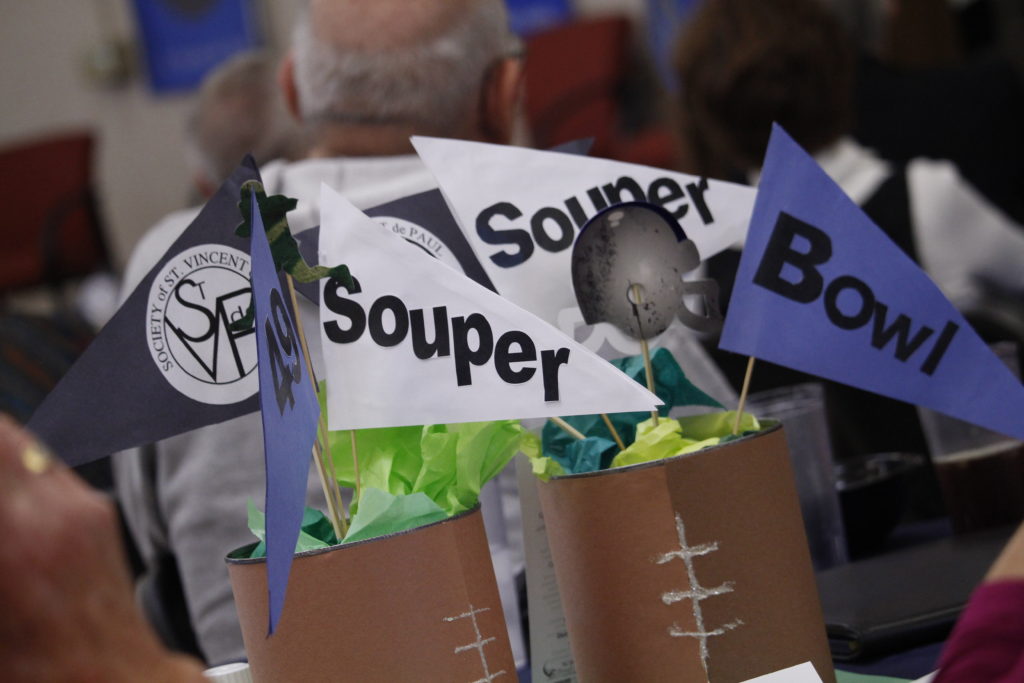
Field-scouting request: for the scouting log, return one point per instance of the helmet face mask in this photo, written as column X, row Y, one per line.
column 628, row 264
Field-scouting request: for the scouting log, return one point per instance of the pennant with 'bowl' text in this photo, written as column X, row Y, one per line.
column 822, row 289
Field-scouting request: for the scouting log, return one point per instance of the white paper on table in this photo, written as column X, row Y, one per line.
column 801, row 673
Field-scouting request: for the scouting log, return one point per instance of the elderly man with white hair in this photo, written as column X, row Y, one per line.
column 361, row 78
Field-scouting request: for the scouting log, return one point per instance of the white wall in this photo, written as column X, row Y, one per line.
column 141, row 172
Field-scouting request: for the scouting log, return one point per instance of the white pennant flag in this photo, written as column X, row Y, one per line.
column 416, row 342
column 522, row 208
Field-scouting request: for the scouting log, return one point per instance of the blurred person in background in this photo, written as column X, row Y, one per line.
column 944, row 80
column 239, row 110
column 987, row 643
column 360, row 79
column 743, row 65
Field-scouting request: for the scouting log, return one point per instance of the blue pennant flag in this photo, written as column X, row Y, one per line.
column 290, row 414
column 822, row 289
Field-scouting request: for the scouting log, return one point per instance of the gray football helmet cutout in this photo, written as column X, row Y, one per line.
column 628, row 264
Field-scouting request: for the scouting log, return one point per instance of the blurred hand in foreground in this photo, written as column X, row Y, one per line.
column 68, row 610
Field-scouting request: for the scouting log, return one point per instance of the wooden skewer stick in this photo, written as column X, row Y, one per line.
column 321, row 446
column 355, row 461
column 336, row 517
column 335, row 506
column 568, row 427
column 615, row 434
column 572, row 431
column 743, row 394
column 327, row 463
column 325, row 447
column 637, row 292
column 325, row 442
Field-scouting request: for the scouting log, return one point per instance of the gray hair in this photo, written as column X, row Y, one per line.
column 426, row 84
column 239, row 111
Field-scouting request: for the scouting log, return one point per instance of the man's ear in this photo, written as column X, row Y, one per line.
column 502, row 92
column 286, row 81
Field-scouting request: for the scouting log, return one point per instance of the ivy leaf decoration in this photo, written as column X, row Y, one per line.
column 283, row 247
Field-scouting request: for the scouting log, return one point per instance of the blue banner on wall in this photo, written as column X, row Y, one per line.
column 665, row 20
column 527, row 17
column 184, row 39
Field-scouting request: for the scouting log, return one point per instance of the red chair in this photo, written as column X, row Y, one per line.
column 574, row 76
column 51, row 232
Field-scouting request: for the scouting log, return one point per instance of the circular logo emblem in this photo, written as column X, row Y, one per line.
column 422, row 238
column 192, row 302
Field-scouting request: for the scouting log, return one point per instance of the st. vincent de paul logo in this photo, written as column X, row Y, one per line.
column 192, row 302
column 422, row 238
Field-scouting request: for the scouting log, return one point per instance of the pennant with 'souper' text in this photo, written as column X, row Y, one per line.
column 424, row 344
column 521, row 210
column 290, row 414
column 822, row 289
column 425, row 220
column 168, row 361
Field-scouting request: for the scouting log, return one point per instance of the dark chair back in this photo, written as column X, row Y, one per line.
column 51, row 230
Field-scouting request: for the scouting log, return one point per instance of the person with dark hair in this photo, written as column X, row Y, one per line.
column 744, row 65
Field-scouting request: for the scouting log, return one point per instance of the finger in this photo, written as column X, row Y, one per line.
column 22, row 457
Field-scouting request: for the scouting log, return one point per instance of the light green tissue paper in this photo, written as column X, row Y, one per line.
column 671, row 385
column 438, row 455
column 447, row 463
column 381, row 513
column 545, row 468
column 659, row 442
column 311, row 521
column 652, row 443
column 718, row 425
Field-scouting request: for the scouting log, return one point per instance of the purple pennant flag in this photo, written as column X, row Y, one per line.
column 822, row 289
column 290, row 413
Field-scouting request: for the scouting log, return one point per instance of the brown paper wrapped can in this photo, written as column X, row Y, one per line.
column 420, row 605
column 692, row 568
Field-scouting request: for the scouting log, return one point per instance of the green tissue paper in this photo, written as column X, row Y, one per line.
column 564, row 454
column 588, row 455
column 381, row 513
column 449, row 464
column 316, row 531
column 659, row 442
column 718, row 425
column 671, row 385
